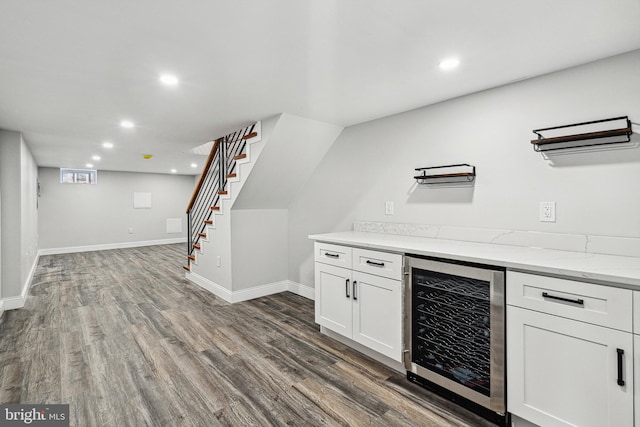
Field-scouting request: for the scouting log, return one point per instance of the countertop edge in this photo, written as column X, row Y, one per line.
column 605, row 269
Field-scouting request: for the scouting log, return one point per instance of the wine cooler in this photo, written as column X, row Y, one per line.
column 454, row 332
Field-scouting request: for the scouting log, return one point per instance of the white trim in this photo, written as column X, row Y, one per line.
column 259, row 291
column 302, row 290
column 109, row 246
column 210, row 286
column 13, row 303
column 1, row 310
column 250, row 293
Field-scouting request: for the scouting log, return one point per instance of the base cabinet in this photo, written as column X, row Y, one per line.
column 360, row 306
column 563, row 372
column 570, row 352
column 333, row 303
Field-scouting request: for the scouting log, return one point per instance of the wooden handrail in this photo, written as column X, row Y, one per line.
column 212, row 154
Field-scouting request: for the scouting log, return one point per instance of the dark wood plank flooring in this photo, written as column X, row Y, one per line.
column 123, row 338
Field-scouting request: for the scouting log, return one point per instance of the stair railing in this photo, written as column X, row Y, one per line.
column 219, row 168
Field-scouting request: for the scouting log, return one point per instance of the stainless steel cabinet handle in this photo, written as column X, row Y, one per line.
column 573, row 301
column 346, row 288
column 355, row 287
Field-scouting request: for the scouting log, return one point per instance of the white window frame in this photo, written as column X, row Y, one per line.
column 78, row 176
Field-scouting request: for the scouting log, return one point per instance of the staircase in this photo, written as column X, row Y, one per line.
column 220, row 170
column 238, row 236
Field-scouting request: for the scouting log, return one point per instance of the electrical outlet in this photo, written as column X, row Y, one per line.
column 218, row 260
column 130, row 230
column 548, row 211
column 388, row 208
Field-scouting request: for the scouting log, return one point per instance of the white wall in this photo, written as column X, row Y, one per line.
column 259, row 249
column 19, row 237
column 28, row 210
column 220, row 246
column 295, row 148
column 373, row 162
column 77, row 215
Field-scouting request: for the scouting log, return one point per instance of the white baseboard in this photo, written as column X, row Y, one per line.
column 250, row 293
column 109, row 246
column 13, row 303
column 302, row 290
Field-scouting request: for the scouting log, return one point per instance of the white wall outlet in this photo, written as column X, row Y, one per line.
column 218, row 260
column 130, row 230
column 548, row 211
column 388, row 208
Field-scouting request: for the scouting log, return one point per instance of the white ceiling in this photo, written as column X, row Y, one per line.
column 70, row 70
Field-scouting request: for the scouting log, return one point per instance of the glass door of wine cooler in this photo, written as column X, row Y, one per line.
column 455, row 333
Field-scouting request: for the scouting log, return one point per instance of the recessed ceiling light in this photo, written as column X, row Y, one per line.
column 194, row 165
column 89, row 165
column 169, row 79
column 173, row 171
column 107, row 144
column 126, row 124
column 449, row 64
column 96, row 158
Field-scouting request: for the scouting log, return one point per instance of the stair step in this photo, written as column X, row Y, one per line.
column 192, row 257
column 240, row 157
column 215, row 208
column 209, row 222
column 251, row 135
column 232, row 175
column 223, row 192
column 186, row 267
column 196, row 247
column 204, row 235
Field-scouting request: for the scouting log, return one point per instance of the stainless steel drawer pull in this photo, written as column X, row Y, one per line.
column 573, row 301
column 377, row 264
column 331, row 255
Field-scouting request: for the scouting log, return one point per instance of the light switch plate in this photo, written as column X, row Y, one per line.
column 388, row 208
column 548, row 211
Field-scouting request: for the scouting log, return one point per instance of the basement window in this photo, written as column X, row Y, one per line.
column 78, row 176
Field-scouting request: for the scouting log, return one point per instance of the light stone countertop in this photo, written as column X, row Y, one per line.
column 607, row 269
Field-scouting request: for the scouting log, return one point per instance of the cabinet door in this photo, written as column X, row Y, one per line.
column 562, row 372
column 377, row 314
column 333, row 298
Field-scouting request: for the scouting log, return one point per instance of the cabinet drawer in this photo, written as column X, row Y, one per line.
column 337, row 255
column 378, row 263
column 597, row 304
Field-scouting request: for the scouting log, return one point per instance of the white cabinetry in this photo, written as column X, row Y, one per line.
column 636, row 356
column 358, row 294
column 569, row 352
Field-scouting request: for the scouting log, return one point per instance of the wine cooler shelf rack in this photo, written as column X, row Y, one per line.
column 452, row 328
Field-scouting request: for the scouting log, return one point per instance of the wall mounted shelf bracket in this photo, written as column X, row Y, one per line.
column 448, row 174
column 616, row 130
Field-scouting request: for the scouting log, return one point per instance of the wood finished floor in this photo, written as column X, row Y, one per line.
column 123, row 338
